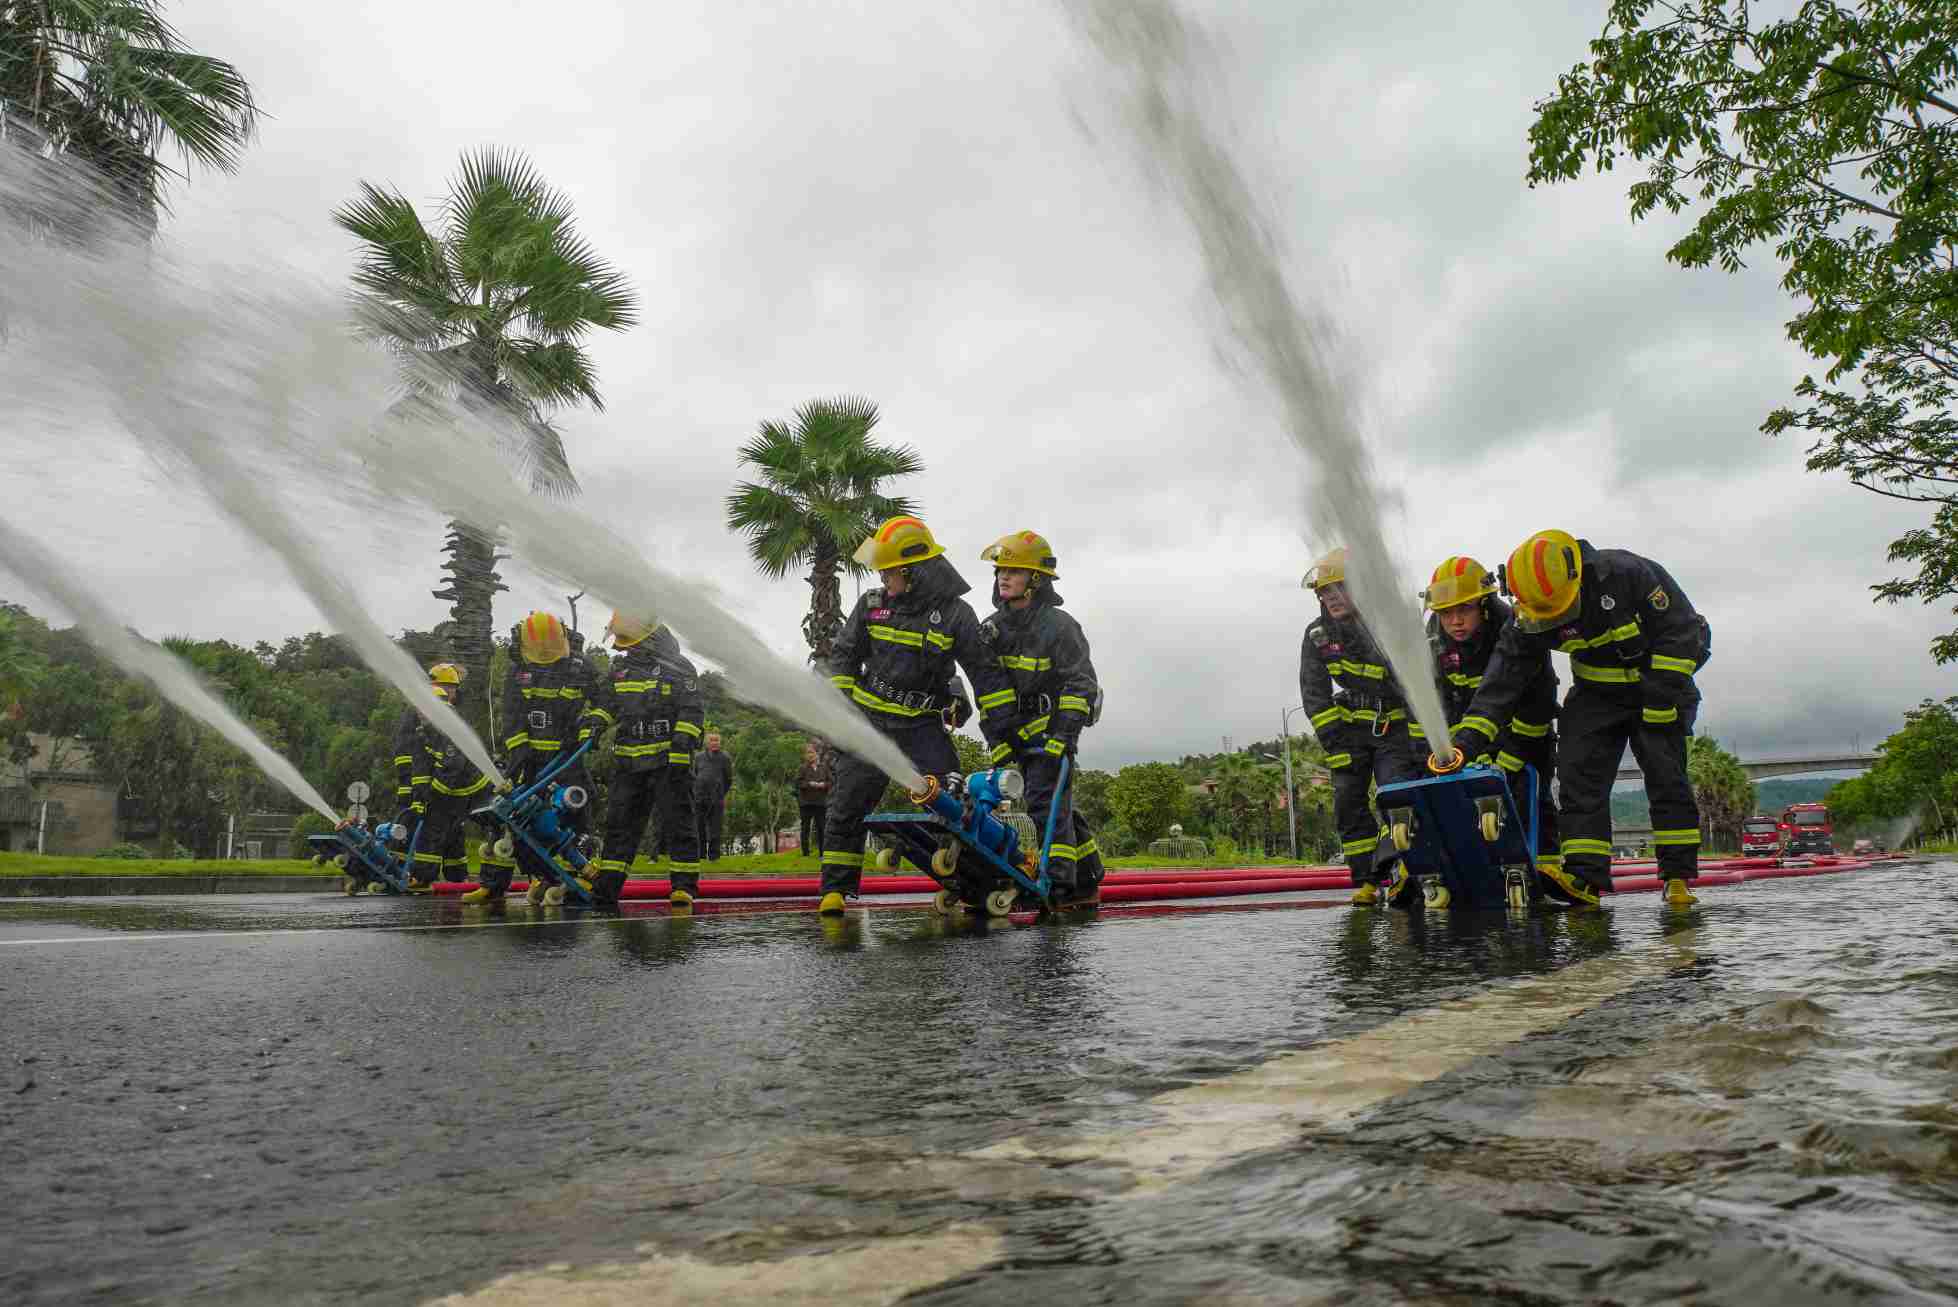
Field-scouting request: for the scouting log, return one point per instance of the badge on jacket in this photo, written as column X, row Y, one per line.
column 879, row 614
column 619, row 673
column 1659, row 599
column 523, row 678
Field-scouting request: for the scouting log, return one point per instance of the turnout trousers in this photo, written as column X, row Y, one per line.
column 855, row 787
column 440, row 849
column 1076, row 859
column 635, row 797
column 1596, row 727
column 496, row 873
column 1365, row 758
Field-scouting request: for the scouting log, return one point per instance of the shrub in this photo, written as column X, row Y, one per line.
column 1116, row 840
column 125, row 851
column 1224, row 849
column 309, row 823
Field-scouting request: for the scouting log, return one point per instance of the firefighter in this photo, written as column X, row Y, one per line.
column 543, row 701
column 894, row 659
column 1360, row 716
column 651, row 695
column 1467, row 619
column 1634, row 642
column 1049, row 697
column 442, row 786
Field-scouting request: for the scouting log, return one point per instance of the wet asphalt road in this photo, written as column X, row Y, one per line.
column 389, row 1101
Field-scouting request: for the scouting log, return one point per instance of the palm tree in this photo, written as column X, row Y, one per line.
column 110, row 83
column 494, row 305
column 817, row 498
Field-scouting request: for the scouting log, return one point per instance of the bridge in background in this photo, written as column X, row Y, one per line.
column 1761, row 769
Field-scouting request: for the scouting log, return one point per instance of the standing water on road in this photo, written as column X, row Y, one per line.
column 1169, row 104
column 173, row 679
column 1745, row 1102
column 218, row 368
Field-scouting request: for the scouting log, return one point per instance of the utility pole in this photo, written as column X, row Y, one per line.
column 1291, row 791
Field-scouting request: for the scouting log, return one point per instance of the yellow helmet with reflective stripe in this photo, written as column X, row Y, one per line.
column 628, row 631
column 900, row 542
column 446, row 674
column 1023, row 549
column 1545, row 576
column 1330, row 570
column 1459, row 580
column 542, row 640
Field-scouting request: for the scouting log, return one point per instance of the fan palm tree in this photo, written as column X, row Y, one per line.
column 819, row 494
column 492, row 303
column 110, row 83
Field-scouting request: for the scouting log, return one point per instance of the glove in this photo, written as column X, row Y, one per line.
column 955, row 714
column 1482, row 760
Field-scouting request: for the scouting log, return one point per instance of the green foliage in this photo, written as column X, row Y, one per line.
column 124, row 852
column 306, row 698
column 1115, row 838
column 1826, row 135
column 1148, row 798
column 819, row 493
column 494, row 302
column 1914, row 785
column 113, row 85
column 1723, row 790
column 1091, row 795
column 309, row 823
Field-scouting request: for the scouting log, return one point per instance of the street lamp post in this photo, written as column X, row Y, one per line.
column 1291, row 795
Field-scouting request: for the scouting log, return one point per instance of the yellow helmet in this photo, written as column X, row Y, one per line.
column 1023, row 549
column 898, row 543
column 542, row 639
column 1459, row 580
column 1330, row 570
column 1545, row 576
column 446, row 674
column 628, row 631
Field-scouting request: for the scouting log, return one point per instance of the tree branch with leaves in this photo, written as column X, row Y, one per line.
column 1828, row 138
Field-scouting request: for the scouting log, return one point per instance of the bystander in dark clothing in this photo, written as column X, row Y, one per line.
column 713, row 780
column 812, row 793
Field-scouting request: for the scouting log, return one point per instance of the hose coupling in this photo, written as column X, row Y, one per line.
column 925, row 793
column 1453, row 763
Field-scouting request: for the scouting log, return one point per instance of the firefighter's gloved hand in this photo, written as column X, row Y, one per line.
column 1482, row 760
column 954, row 715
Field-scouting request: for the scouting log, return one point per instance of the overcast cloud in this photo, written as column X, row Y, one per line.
column 930, row 205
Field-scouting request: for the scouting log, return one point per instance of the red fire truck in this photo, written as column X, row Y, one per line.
column 1805, row 828
column 1760, row 837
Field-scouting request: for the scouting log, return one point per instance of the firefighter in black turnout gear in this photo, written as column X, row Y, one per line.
column 1362, row 725
column 1465, row 623
column 651, row 696
column 436, row 787
column 1049, row 697
column 543, row 701
column 1634, row 642
column 894, row 659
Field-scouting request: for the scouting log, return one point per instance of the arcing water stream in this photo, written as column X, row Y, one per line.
column 215, row 368
column 1170, row 107
column 173, row 679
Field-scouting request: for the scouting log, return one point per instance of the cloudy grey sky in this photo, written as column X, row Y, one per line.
column 931, row 206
